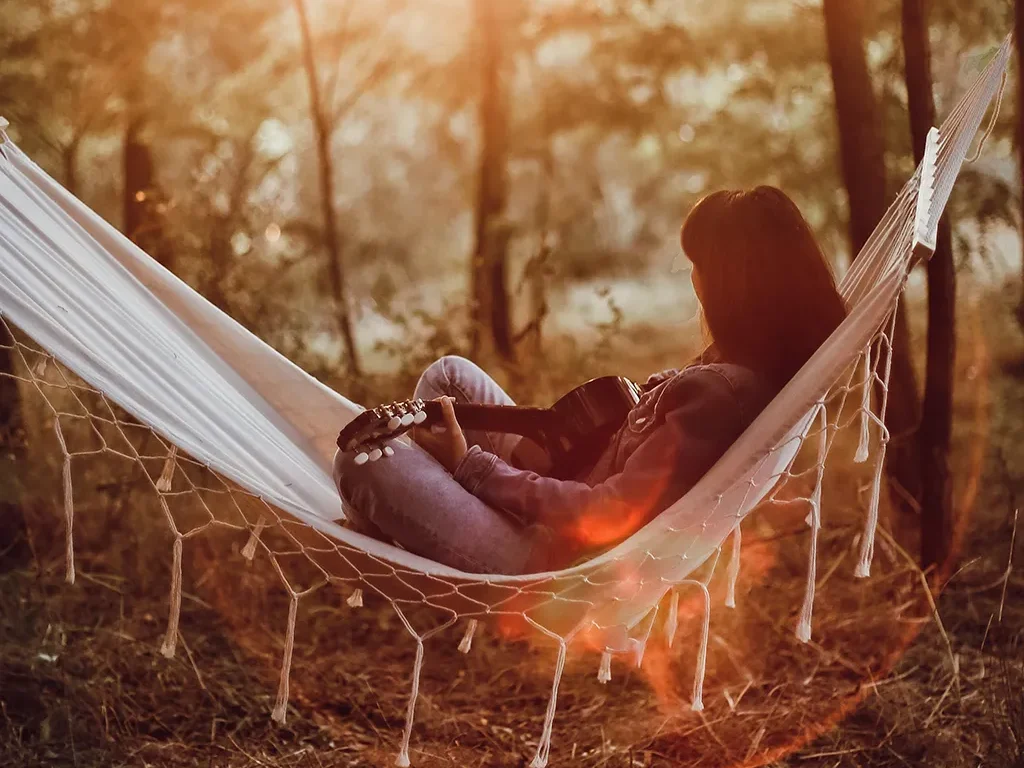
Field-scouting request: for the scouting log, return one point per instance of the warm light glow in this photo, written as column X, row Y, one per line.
column 272, row 233
column 140, row 196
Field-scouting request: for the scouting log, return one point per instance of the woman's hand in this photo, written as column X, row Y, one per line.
column 445, row 442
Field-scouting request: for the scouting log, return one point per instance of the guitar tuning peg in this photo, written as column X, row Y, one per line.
column 389, row 451
column 361, row 458
column 375, row 454
column 394, row 423
column 408, row 419
column 420, row 417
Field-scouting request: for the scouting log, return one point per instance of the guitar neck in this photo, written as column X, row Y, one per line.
column 510, row 419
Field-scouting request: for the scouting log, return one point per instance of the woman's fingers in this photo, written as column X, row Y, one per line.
column 448, row 411
column 445, row 440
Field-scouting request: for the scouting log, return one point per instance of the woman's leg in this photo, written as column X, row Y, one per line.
column 468, row 383
column 412, row 499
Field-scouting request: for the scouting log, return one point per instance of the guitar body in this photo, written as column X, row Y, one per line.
column 562, row 441
column 588, row 417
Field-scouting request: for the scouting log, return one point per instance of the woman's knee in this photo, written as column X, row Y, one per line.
column 441, row 377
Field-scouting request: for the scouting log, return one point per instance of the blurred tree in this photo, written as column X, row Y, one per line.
column 322, row 137
column 937, row 515
column 1019, row 35
column 861, row 147
column 142, row 202
column 490, row 328
column 14, row 547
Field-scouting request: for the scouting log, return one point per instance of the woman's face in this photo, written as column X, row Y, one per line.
column 695, row 279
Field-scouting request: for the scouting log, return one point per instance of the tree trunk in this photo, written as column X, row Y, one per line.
column 938, row 524
column 14, row 548
column 862, row 156
column 489, row 301
column 1019, row 35
column 141, row 218
column 325, row 165
column 138, row 182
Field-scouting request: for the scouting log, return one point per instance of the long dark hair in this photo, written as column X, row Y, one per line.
column 768, row 296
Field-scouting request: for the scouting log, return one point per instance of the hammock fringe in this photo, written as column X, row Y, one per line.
column 733, row 574
column 540, row 760
column 163, row 483
column 702, row 653
column 803, row 629
column 865, row 410
column 69, row 520
column 867, row 549
column 466, row 643
column 280, row 712
column 402, row 760
column 604, row 672
column 672, row 622
column 249, row 550
column 170, row 643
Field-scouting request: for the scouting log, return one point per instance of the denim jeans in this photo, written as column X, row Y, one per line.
column 413, row 500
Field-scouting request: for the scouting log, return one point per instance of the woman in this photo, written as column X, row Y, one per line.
column 768, row 302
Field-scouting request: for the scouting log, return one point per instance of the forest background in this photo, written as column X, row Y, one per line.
column 369, row 186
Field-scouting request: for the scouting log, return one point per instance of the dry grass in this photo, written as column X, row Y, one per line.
column 883, row 683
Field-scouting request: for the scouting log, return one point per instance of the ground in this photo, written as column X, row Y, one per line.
column 888, row 679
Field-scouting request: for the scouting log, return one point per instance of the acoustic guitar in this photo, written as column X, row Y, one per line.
column 571, row 434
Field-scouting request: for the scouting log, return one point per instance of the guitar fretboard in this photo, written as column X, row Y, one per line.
column 514, row 419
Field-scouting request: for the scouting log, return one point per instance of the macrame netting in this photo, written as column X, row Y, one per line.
column 229, row 435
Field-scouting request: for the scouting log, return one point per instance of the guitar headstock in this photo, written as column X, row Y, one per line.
column 367, row 434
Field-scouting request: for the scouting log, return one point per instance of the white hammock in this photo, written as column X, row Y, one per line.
column 219, row 395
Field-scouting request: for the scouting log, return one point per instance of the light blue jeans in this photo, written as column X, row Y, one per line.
column 411, row 499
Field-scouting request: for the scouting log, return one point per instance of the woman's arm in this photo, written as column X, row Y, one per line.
column 668, row 463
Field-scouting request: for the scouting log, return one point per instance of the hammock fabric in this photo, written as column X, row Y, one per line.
column 219, row 399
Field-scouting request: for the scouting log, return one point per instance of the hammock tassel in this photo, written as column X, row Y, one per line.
column 733, row 573
column 702, row 654
column 867, row 547
column 249, row 550
column 672, row 622
column 171, row 638
column 540, row 760
column 604, row 673
column 865, row 412
column 402, row 761
column 639, row 647
column 69, row 519
column 355, row 600
column 467, row 639
column 281, row 706
column 163, row 483
column 803, row 627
